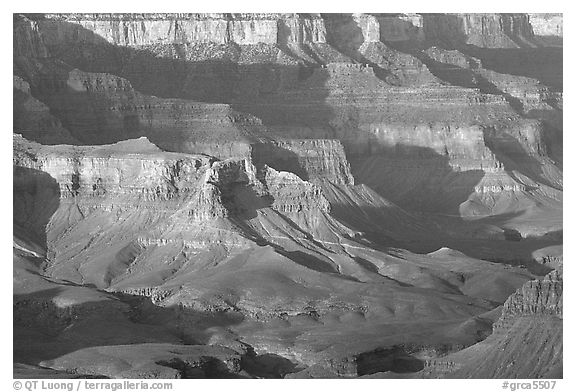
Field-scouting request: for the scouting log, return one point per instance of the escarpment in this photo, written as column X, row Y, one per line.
column 103, row 108
column 310, row 159
column 277, row 95
column 546, row 25
column 94, row 171
column 530, row 322
column 33, row 118
column 534, row 298
column 483, row 30
column 288, row 195
column 147, row 29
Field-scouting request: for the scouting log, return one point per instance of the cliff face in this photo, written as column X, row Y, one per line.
column 539, row 298
column 547, row 24
column 149, row 29
column 402, row 27
column 33, row 118
column 103, row 108
column 526, row 342
column 292, row 195
column 531, row 322
column 483, row 30
column 96, row 172
column 311, row 159
column 28, row 41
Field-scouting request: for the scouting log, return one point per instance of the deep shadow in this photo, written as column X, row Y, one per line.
column 304, row 259
column 208, row 368
column 465, row 77
column 283, row 34
column 36, row 197
column 416, row 178
column 372, row 268
column 431, row 190
column 40, row 325
column 513, row 155
column 366, row 264
column 394, row 359
column 267, row 365
column 543, row 64
column 33, row 121
column 278, row 158
column 40, row 333
column 308, row 261
column 531, row 58
column 344, row 34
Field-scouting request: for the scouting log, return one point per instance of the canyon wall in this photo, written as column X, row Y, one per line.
column 526, row 338
column 311, row 159
column 539, row 298
column 401, row 27
column 257, row 97
column 149, row 29
column 94, row 172
column 547, row 24
column 482, row 30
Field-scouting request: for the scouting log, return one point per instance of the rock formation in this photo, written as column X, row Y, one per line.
column 526, row 342
column 287, row 195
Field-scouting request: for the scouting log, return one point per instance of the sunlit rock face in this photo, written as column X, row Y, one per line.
column 547, row 24
column 530, row 323
column 541, row 297
column 288, row 195
column 148, row 29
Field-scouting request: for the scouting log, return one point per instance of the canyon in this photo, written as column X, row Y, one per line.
column 287, row 195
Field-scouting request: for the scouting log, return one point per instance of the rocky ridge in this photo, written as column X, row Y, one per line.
column 530, row 322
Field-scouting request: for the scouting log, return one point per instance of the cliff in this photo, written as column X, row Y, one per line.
column 33, row 118
column 310, row 159
column 526, row 340
column 92, row 171
column 539, row 298
column 547, row 24
column 482, row 30
column 148, row 29
column 27, row 39
column 401, row 27
column 103, row 108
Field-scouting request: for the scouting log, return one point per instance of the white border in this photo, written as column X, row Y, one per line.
column 9, row 7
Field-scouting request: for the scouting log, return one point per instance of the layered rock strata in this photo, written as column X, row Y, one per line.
column 482, row 30
column 526, row 340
